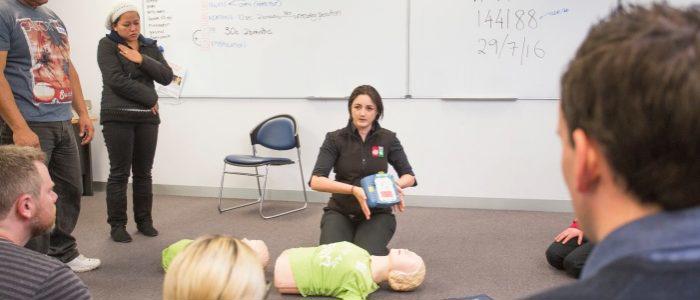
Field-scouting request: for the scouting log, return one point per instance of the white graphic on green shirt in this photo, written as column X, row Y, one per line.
column 327, row 258
column 339, row 270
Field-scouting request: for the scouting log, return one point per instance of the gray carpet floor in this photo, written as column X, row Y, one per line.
column 467, row 252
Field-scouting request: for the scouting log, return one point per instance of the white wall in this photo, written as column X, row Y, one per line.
column 458, row 149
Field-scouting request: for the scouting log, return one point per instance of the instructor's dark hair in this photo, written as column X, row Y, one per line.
column 372, row 93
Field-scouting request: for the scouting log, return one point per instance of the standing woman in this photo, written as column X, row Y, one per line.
column 360, row 149
column 130, row 63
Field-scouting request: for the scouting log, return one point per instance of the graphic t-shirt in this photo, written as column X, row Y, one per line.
column 38, row 59
column 339, row 270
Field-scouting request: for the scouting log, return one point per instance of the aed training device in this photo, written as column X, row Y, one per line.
column 380, row 190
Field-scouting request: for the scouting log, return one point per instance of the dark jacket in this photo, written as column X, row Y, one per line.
column 128, row 93
column 656, row 257
column 352, row 159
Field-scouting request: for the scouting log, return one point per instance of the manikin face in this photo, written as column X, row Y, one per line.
column 363, row 112
column 405, row 261
column 128, row 26
column 45, row 216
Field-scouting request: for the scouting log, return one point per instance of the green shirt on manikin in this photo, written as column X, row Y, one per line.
column 339, row 270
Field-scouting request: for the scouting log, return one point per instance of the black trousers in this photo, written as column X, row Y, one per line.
column 372, row 235
column 58, row 142
column 131, row 147
column 569, row 257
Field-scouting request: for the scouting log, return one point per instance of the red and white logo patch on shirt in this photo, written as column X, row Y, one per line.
column 377, row 151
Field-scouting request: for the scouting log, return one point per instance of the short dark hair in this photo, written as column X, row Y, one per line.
column 18, row 174
column 373, row 94
column 634, row 88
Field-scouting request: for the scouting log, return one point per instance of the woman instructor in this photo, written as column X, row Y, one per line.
column 360, row 149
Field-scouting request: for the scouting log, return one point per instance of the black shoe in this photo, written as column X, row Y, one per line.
column 147, row 229
column 120, row 235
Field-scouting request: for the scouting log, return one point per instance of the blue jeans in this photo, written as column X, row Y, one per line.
column 58, row 141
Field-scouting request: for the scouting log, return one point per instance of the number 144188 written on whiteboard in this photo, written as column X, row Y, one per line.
column 506, row 19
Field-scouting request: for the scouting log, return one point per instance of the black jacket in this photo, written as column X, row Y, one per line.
column 352, row 159
column 128, row 93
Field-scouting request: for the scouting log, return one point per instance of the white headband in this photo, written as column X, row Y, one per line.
column 117, row 11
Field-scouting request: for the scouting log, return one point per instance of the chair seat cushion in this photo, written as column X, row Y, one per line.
column 252, row 161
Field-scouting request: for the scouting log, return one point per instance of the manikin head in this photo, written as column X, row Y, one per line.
column 260, row 250
column 406, row 270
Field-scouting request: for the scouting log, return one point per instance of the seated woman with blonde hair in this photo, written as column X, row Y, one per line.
column 215, row 267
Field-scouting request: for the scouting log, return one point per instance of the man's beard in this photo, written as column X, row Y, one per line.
column 38, row 228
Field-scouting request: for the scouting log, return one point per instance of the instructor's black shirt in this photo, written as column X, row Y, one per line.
column 352, row 159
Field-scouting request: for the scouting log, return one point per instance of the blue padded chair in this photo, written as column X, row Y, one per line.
column 277, row 133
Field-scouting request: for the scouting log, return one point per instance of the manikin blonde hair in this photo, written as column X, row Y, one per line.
column 404, row 282
column 215, row 267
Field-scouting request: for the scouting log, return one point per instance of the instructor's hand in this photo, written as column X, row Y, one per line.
column 399, row 206
column 359, row 194
column 26, row 137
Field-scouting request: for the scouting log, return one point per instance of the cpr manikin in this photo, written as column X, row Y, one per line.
column 260, row 249
column 345, row 271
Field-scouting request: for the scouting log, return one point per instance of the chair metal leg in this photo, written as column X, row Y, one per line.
column 221, row 192
column 264, row 192
column 303, row 183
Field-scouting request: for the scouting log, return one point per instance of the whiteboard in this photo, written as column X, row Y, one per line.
column 282, row 48
column 482, row 49
column 497, row 48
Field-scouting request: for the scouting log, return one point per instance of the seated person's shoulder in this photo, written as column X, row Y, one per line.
column 656, row 275
column 40, row 273
column 30, row 258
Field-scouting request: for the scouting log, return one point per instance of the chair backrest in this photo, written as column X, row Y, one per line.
column 278, row 133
